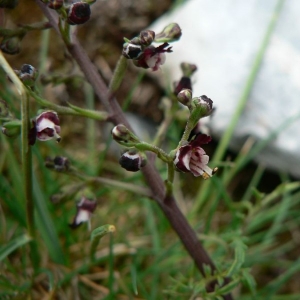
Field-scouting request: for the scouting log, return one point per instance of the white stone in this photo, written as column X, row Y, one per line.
column 223, row 37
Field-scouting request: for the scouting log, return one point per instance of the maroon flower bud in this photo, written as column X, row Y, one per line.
column 124, row 136
column 47, row 126
column 85, row 208
column 185, row 97
column 184, row 83
column 131, row 51
column 132, row 160
column 79, row 13
column 28, row 75
column 146, row 37
column 55, row 4
column 61, row 163
column 192, row 158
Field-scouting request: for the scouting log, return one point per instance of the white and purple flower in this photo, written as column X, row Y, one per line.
column 85, row 208
column 47, row 126
column 192, row 158
column 153, row 57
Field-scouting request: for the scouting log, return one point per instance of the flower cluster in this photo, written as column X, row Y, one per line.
column 143, row 54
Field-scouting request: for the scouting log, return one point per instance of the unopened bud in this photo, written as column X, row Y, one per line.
column 124, row 136
column 188, row 69
column 185, row 97
column 205, row 104
column 28, row 75
column 170, row 33
column 133, row 160
column 184, row 83
column 146, row 37
column 11, row 45
column 131, row 51
column 61, row 163
column 79, row 13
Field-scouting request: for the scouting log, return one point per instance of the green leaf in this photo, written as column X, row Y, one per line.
column 13, row 245
column 239, row 257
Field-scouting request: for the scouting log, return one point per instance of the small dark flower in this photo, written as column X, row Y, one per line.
column 61, row 163
column 131, row 50
column 28, row 74
column 183, row 84
column 79, row 13
column 192, row 158
column 132, row 160
column 47, row 126
column 85, row 208
column 153, row 57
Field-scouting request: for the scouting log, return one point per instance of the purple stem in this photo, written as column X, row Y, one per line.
column 168, row 204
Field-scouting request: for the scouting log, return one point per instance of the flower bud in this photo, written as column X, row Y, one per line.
column 55, row 4
column 205, row 103
column 11, row 45
column 146, row 37
column 132, row 160
column 131, row 51
column 12, row 128
column 79, row 13
column 170, row 33
column 184, row 83
column 8, row 3
column 185, row 97
column 28, row 75
column 188, row 69
column 124, row 136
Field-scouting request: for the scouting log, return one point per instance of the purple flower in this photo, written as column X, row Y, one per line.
column 192, row 158
column 47, row 126
column 153, row 57
column 85, row 208
column 132, row 160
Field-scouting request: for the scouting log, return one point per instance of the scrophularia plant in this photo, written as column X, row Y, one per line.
column 148, row 50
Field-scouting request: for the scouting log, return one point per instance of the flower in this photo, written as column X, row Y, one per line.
column 153, row 57
column 192, row 158
column 132, row 160
column 79, row 13
column 85, row 208
column 46, row 127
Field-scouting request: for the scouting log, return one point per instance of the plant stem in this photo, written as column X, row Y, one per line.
column 26, row 158
column 118, row 75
